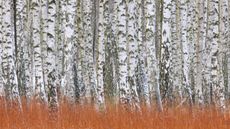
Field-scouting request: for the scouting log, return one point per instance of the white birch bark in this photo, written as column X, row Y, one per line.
column 132, row 51
column 165, row 49
column 26, row 52
column 20, row 23
column 88, row 63
column 199, row 98
column 153, row 63
column 101, row 54
column 176, row 61
column 114, row 50
column 1, row 51
column 44, row 33
column 228, row 54
column 36, row 41
column 216, row 79
column 80, row 50
column 8, row 60
column 185, row 49
column 205, row 47
column 224, row 41
column 124, row 89
column 50, row 61
column 142, row 71
column 69, row 42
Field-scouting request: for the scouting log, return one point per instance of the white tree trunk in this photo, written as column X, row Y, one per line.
column 216, row 78
column 44, row 33
column 8, row 60
column 80, row 51
column 142, row 71
column 89, row 71
column 50, row 61
column 165, row 49
column 101, row 53
column 36, row 41
column 69, row 41
column 122, row 53
column 185, row 49
column 132, row 51
column 1, row 51
column 153, row 63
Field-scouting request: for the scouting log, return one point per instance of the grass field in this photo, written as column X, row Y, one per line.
column 85, row 117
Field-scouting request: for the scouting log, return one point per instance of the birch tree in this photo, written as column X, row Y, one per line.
column 36, row 41
column 20, row 23
column 185, row 49
column 153, row 63
column 88, row 60
column 101, row 53
column 142, row 71
column 124, row 90
column 8, row 55
column 80, row 49
column 1, row 51
column 165, row 48
column 132, row 50
column 69, row 42
column 50, row 61
column 216, row 82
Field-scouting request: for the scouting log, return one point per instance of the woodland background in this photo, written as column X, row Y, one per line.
column 128, row 52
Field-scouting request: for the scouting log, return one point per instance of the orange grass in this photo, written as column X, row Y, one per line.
column 85, row 117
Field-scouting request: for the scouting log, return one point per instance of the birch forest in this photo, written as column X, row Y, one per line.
column 129, row 54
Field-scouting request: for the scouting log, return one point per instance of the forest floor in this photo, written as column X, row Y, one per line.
column 86, row 117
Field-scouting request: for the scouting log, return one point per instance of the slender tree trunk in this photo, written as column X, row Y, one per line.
column 185, row 50
column 80, row 50
column 69, row 42
column 50, row 61
column 216, row 79
column 1, row 50
column 153, row 63
column 142, row 71
column 36, row 41
column 101, row 52
column 8, row 55
column 89, row 76
column 132, row 51
column 165, row 50
column 122, row 53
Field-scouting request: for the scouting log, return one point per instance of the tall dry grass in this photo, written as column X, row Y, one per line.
column 85, row 117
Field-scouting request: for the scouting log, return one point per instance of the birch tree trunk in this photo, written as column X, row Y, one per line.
column 1, row 50
column 89, row 76
column 80, row 49
column 142, row 71
column 216, row 79
column 124, row 90
column 50, row 61
column 69, row 42
column 205, row 45
column 153, row 63
column 36, row 41
column 132, row 51
column 44, row 38
column 199, row 98
column 21, row 10
column 8, row 60
column 185, row 49
column 224, row 39
column 165, row 50
column 101, row 53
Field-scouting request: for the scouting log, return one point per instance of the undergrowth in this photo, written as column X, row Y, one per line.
column 68, row 116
